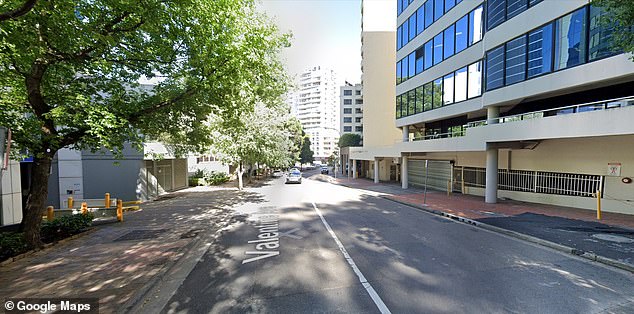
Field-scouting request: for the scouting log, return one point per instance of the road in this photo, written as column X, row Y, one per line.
column 316, row 247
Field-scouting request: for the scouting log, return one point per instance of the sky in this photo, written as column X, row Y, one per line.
column 325, row 33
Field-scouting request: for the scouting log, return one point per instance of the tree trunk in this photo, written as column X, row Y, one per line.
column 35, row 201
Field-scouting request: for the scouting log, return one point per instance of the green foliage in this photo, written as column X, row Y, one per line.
column 620, row 19
column 350, row 139
column 216, row 178
column 306, row 154
column 198, row 174
column 11, row 244
column 66, row 226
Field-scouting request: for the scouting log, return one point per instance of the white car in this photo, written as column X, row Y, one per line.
column 277, row 173
column 294, row 177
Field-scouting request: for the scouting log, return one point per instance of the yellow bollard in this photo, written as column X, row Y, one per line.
column 84, row 208
column 120, row 210
column 70, row 202
column 107, row 197
column 599, row 204
column 50, row 214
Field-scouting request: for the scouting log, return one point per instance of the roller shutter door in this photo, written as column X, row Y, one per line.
column 439, row 173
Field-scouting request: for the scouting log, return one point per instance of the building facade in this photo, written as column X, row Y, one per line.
column 351, row 109
column 316, row 106
column 524, row 100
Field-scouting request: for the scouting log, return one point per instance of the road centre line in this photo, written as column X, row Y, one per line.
column 364, row 282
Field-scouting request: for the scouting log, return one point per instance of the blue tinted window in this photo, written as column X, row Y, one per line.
column 429, row 61
column 534, row 2
column 398, row 72
column 570, row 39
column 438, row 48
column 540, row 50
column 429, row 13
column 399, row 32
column 516, row 60
column 419, row 60
column 399, row 7
column 475, row 25
column 495, row 68
column 449, row 4
column 405, row 67
column 495, row 13
column 438, row 9
column 405, row 39
column 412, row 64
column 461, row 33
column 448, row 43
column 412, row 26
column 515, row 7
column 420, row 20
column 601, row 35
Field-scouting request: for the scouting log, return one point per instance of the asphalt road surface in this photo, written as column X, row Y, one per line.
column 320, row 248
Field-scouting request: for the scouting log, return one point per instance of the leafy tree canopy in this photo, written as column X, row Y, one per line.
column 306, row 154
column 350, row 139
column 620, row 17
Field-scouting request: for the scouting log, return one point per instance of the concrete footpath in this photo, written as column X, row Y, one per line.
column 571, row 230
column 119, row 262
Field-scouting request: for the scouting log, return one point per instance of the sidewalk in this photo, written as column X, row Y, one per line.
column 117, row 262
column 577, row 231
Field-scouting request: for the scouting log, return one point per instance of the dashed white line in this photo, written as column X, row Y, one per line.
column 364, row 282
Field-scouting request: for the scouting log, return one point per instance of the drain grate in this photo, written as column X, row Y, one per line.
column 140, row 235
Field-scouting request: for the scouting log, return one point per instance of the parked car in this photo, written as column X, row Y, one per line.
column 277, row 173
column 294, row 177
column 324, row 170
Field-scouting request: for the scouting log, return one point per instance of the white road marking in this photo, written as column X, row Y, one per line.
column 291, row 235
column 364, row 282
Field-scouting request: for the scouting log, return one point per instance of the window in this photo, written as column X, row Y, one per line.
column 347, row 128
column 429, row 12
column 600, row 44
column 461, row 33
column 399, row 104
column 460, row 89
column 399, row 7
column 411, row 102
column 449, row 4
column 412, row 27
column 405, row 39
column 437, row 100
column 412, row 64
column 475, row 25
column 357, row 119
column 347, row 110
column 358, row 128
column 448, row 90
column 358, row 101
column 540, row 49
column 399, row 33
column 347, row 101
column 495, row 68
column 347, row 120
column 358, row 110
column 405, row 69
column 438, row 49
column 347, row 92
column 534, row 2
column 420, row 18
column 357, row 92
column 438, row 9
column 398, row 73
column 419, row 99
column 428, row 91
column 515, row 7
column 495, row 13
column 570, row 40
column 448, row 41
column 419, row 60
column 474, row 77
column 428, row 54
column 516, row 60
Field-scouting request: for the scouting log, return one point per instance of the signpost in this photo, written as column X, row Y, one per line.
column 426, row 175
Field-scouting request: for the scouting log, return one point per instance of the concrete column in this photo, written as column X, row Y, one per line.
column 349, row 164
column 492, row 114
column 404, row 177
column 354, row 169
column 376, row 170
column 406, row 133
column 491, row 190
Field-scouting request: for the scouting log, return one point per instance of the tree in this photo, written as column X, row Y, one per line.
column 11, row 10
column 350, row 139
column 620, row 20
column 296, row 135
column 306, row 154
column 70, row 72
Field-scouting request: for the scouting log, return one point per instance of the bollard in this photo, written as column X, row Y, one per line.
column 50, row 214
column 84, row 208
column 448, row 187
column 107, row 197
column 599, row 204
column 120, row 210
column 462, row 188
column 70, row 202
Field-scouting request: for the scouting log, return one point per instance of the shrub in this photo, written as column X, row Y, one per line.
column 199, row 173
column 12, row 244
column 66, row 226
column 215, row 178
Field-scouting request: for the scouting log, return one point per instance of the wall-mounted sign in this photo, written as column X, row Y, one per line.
column 614, row 169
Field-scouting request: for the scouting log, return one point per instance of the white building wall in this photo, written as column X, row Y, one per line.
column 11, row 204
